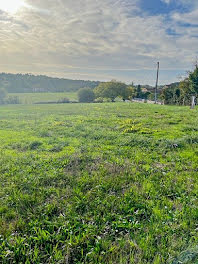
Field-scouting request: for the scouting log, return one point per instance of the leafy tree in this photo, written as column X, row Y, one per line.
column 127, row 93
column 139, row 91
column 107, row 90
column 3, row 95
column 146, row 95
column 167, row 95
column 86, row 95
column 186, row 92
column 171, row 94
column 193, row 79
column 131, row 91
column 180, row 93
column 112, row 90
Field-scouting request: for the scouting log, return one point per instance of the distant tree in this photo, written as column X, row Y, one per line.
column 129, row 92
column 146, row 95
column 193, row 79
column 3, row 95
column 139, row 92
column 86, row 95
column 112, row 90
column 185, row 92
column 167, row 95
column 171, row 94
column 181, row 93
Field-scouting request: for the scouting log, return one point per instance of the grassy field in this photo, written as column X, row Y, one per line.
column 32, row 98
column 98, row 183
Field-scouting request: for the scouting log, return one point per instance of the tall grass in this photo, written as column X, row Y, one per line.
column 98, row 183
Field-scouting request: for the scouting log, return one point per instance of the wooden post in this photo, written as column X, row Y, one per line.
column 193, row 102
column 156, row 83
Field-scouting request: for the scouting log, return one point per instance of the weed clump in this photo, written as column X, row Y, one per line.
column 35, row 145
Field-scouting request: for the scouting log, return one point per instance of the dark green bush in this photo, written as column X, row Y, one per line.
column 86, row 95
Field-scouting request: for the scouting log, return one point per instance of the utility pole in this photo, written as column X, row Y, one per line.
column 156, row 83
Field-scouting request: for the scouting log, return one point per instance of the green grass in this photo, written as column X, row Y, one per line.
column 98, row 183
column 32, row 98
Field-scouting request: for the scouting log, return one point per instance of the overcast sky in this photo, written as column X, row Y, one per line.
column 99, row 39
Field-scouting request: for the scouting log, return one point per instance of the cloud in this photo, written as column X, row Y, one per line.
column 189, row 18
column 166, row 1
column 97, row 38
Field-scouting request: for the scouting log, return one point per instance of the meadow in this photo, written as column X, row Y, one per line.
column 103, row 183
column 33, row 98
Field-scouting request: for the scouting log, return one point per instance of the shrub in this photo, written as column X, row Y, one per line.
column 12, row 100
column 107, row 100
column 64, row 100
column 86, row 95
column 99, row 100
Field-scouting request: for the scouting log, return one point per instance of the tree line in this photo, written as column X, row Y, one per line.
column 181, row 93
column 110, row 91
column 28, row 83
column 177, row 93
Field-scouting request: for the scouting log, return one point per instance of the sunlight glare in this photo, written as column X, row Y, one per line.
column 11, row 6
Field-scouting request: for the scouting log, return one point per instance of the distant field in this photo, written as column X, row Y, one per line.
column 112, row 183
column 32, row 98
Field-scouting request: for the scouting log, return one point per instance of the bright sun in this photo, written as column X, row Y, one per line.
column 11, row 6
